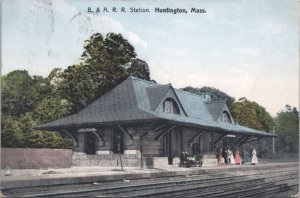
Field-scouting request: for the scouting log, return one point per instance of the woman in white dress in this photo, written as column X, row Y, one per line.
column 232, row 161
column 254, row 158
column 230, row 158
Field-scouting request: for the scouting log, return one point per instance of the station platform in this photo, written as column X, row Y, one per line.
column 78, row 175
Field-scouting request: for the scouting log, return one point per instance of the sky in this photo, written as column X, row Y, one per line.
column 244, row 48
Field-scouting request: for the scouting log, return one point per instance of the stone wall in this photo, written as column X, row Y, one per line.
column 22, row 158
column 111, row 160
column 209, row 160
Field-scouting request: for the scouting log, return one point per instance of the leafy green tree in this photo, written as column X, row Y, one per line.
column 264, row 118
column 104, row 65
column 22, row 92
column 82, row 84
column 50, row 108
column 244, row 114
column 252, row 115
column 11, row 133
column 114, row 50
column 40, row 139
column 18, row 132
column 139, row 69
column 18, row 94
column 287, row 129
column 26, row 102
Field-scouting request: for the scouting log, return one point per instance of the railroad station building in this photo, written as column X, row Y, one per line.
column 149, row 124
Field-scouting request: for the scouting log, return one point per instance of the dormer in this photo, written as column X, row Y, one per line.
column 225, row 117
column 171, row 106
column 219, row 111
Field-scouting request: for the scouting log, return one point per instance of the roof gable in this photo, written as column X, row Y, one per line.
column 215, row 108
column 170, row 93
column 156, row 94
column 225, row 108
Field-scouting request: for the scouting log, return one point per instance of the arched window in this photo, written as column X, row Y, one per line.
column 170, row 106
column 225, row 117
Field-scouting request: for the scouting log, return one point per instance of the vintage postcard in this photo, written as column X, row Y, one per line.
column 150, row 98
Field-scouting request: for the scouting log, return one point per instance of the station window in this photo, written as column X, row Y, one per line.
column 170, row 106
column 225, row 117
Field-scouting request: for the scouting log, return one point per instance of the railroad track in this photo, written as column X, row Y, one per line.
column 262, row 183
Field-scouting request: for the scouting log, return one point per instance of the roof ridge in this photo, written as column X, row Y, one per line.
column 169, row 84
column 159, row 85
column 135, row 78
column 188, row 92
column 215, row 101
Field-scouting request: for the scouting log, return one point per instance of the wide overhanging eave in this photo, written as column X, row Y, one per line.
column 156, row 120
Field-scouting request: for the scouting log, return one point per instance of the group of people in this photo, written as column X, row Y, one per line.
column 226, row 157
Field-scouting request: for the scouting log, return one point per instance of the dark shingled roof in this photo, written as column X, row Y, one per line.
column 136, row 100
column 215, row 108
column 156, row 94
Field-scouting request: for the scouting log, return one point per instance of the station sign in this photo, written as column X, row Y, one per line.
column 230, row 135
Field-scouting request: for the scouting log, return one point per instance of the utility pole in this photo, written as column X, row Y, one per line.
column 141, row 151
column 273, row 141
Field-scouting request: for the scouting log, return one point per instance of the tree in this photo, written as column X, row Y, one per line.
column 11, row 132
column 114, row 50
column 27, row 102
column 18, row 93
column 244, row 114
column 264, row 118
column 18, row 132
column 215, row 94
column 22, row 92
column 40, row 139
column 287, row 129
column 104, row 65
column 139, row 69
column 252, row 115
column 50, row 108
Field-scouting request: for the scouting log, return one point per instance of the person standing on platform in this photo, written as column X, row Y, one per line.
column 237, row 157
column 254, row 158
column 221, row 159
column 224, row 154
column 232, row 161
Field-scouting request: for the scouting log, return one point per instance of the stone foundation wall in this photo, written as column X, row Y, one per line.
column 113, row 160
column 209, row 160
column 23, row 158
column 156, row 162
